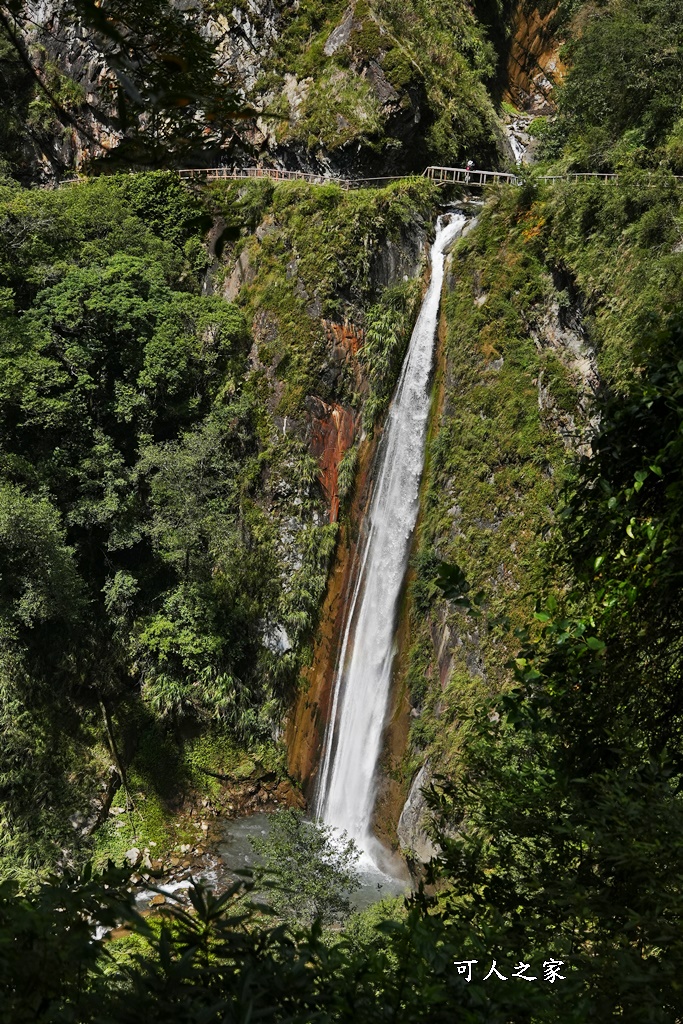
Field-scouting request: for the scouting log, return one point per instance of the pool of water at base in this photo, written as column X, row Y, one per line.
column 236, row 853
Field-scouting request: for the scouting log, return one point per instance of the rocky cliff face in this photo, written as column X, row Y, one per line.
column 518, row 380
column 360, row 88
column 353, row 88
column 332, row 434
column 331, row 430
column 70, row 106
column 307, row 265
column 534, row 64
column 411, row 825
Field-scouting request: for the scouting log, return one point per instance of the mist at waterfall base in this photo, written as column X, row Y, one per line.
column 347, row 782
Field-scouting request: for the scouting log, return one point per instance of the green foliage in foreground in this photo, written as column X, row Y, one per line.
column 311, row 869
column 223, row 963
column 570, row 785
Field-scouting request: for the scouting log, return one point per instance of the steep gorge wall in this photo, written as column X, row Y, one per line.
column 549, row 307
column 354, row 88
column 310, row 714
column 515, row 382
column 534, row 65
column 309, row 717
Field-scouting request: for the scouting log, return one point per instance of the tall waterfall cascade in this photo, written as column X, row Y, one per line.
column 353, row 740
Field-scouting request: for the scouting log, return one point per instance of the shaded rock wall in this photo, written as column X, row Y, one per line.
column 534, row 65
column 84, row 126
column 362, row 106
column 411, row 825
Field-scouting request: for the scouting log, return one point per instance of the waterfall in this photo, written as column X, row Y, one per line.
column 346, row 790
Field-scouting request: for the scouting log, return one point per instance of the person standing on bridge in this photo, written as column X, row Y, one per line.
column 469, row 167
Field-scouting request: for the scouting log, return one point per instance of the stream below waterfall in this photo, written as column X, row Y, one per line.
column 236, row 852
column 522, row 143
column 361, row 691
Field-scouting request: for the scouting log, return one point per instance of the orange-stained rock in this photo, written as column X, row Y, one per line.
column 534, row 65
column 345, row 336
column 332, row 430
column 309, row 715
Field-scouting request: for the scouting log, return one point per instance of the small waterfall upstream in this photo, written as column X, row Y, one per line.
column 346, row 789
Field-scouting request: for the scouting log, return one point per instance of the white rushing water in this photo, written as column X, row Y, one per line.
column 521, row 142
column 346, row 790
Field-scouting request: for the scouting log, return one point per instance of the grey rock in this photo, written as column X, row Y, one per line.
column 383, row 89
column 340, row 35
column 243, row 273
column 397, row 260
column 276, row 639
column 266, row 227
column 410, row 831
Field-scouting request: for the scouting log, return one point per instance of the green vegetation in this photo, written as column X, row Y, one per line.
column 321, row 255
column 389, row 326
column 619, row 104
column 223, row 961
column 571, row 783
column 495, row 464
column 396, row 63
column 163, row 540
column 546, row 673
column 310, row 871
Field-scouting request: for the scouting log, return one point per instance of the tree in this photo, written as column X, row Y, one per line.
column 626, row 75
column 311, row 869
column 135, row 561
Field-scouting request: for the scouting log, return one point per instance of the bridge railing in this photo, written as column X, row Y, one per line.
column 458, row 175
column 461, row 175
column 275, row 174
column 579, row 177
column 218, row 173
column 441, row 175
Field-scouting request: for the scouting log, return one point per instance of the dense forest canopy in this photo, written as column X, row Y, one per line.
column 166, row 531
